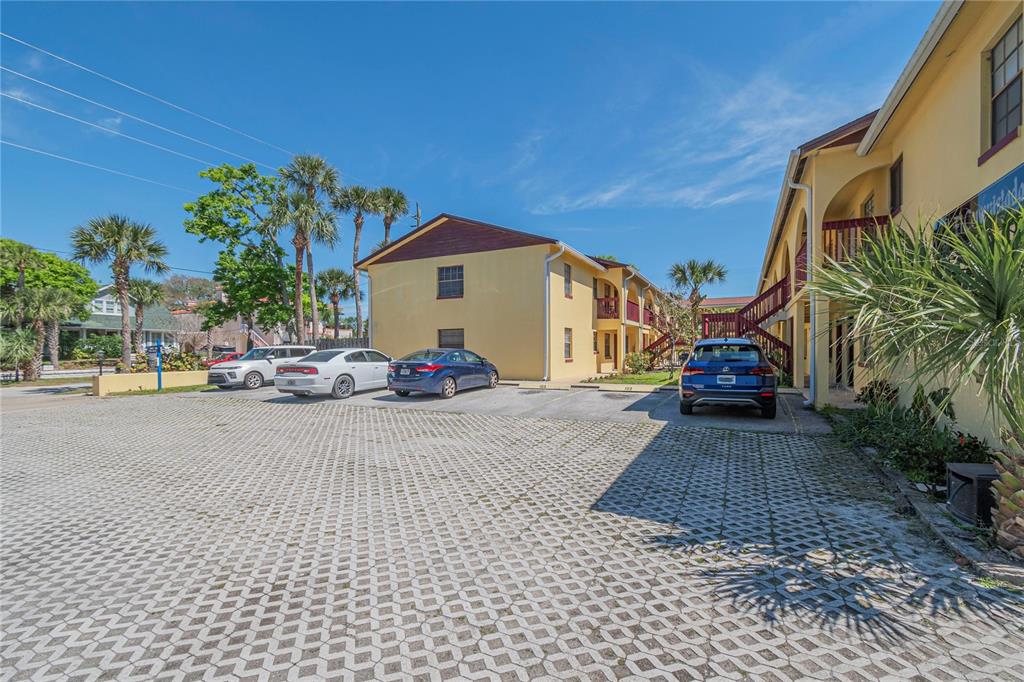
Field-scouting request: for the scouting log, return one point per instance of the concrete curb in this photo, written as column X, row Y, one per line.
column 958, row 540
column 564, row 386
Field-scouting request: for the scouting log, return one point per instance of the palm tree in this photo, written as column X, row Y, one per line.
column 338, row 284
column 950, row 304
column 122, row 242
column 16, row 349
column 145, row 292
column 20, row 257
column 312, row 174
column 40, row 307
column 309, row 222
column 690, row 278
column 358, row 201
column 393, row 205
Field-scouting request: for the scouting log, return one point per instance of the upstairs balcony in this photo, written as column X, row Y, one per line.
column 841, row 239
column 652, row 319
column 632, row 311
column 608, row 308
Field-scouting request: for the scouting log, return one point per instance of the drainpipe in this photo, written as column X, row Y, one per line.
column 622, row 318
column 369, row 300
column 547, row 309
column 813, row 384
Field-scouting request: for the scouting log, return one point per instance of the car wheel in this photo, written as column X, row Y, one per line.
column 448, row 387
column 685, row 409
column 402, row 394
column 343, row 387
column 768, row 412
column 253, row 380
column 492, row 380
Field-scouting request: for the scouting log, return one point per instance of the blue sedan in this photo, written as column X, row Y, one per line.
column 440, row 370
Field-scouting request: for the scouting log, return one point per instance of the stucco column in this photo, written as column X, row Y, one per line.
column 819, row 346
column 799, row 343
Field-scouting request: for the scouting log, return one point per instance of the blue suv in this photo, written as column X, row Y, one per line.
column 727, row 372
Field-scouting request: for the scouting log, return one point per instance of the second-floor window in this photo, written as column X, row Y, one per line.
column 896, row 186
column 567, row 275
column 1006, row 83
column 450, row 282
column 867, row 209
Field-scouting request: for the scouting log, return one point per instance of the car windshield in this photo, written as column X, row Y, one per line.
column 256, row 354
column 726, row 353
column 322, row 356
column 424, row 356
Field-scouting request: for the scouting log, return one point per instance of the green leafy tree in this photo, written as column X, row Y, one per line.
column 38, row 307
column 19, row 257
column 393, row 205
column 243, row 214
column 183, row 291
column 48, row 270
column 145, row 293
column 948, row 303
column 318, row 179
column 123, row 243
column 690, row 278
column 16, row 349
column 337, row 284
column 360, row 202
column 678, row 323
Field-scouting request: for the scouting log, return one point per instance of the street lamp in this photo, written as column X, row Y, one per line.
column 100, row 354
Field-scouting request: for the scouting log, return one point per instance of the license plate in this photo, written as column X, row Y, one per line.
column 291, row 382
column 726, row 379
column 404, row 371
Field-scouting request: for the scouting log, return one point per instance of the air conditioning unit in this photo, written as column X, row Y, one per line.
column 969, row 492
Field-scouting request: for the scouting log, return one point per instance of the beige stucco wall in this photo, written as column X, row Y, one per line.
column 144, row 381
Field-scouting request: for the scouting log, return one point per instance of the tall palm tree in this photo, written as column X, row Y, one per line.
column 41, row 306
column 338, row 284
column 359, row 201
column 950, row 304
column 690, row 278
column 20, row 257
column 17, row 348
column 309, row 222
column 393, row 205
column 313, row 175
column 122, row 242
column 145, row 292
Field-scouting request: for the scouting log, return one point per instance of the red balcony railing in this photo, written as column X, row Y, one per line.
column 653, row 319
column 633, row 311
column 608, row 308
column 842, row 238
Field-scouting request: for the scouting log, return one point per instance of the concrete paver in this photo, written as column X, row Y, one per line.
column 215, row 536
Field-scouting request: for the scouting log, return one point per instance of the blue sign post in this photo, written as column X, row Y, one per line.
column 159, row 366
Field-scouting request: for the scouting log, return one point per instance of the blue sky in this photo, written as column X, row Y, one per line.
column 652, row 132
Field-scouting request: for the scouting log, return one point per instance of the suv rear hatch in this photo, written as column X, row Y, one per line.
column 728, row 366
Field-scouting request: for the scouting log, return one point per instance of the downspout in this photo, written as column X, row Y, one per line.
column 369, row 311
column 622, row 318
column 547, row 309
column 813, row 384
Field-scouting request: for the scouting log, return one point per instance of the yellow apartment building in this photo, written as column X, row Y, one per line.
column 533, row 305
column 946, row 141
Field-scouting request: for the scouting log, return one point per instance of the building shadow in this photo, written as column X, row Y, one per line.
column 796, row 530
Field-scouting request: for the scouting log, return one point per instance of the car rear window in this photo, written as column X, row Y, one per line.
column 727, row 353
column 322, row 355
column 424, row 355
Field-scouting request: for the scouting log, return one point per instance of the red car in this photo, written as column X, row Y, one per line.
column 226, row 357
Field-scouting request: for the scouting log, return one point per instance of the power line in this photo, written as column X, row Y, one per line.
column 135, row 118
column 90, row 165
column 146, row 94
column 107, row 130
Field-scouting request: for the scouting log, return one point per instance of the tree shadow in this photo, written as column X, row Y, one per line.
column 798, row 531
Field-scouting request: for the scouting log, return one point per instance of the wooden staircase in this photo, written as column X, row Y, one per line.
column 746, row 322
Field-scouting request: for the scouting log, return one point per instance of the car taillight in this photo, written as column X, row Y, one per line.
column 763, row 371
column 392, row 369
column 428, row 368
column 300, row 370
column 687, row 371
column 767, row 394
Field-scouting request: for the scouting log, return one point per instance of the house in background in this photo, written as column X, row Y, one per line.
column 536, row 307
column 105, row 318
column 946, row 142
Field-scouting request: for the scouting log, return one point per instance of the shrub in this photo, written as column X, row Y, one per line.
column 178, row 361
column 638, row 363
column 879, row 392
column 90, row 346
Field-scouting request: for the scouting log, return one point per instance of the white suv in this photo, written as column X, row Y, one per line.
column 256, row 367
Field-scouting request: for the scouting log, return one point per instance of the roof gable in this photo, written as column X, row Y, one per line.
column 448, row 235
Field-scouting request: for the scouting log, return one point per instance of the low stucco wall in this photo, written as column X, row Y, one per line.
column 144, row 381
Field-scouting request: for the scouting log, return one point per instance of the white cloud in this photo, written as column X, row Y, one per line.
column 112, row 122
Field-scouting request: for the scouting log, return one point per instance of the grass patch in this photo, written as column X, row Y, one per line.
column 646, row 378
column 48, row 381
column 175, row 389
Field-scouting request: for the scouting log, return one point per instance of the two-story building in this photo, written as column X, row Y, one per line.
column 945, row 141
column 535, row 306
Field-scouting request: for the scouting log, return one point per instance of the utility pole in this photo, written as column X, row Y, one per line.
column 419, row 216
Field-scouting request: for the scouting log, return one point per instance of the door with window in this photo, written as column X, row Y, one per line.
column 476, row 368
column 378, row 363
column 360, row 368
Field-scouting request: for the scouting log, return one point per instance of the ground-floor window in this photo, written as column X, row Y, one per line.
column 607, row 346
column 451, row 338
column 567, row 343
column 595, row 343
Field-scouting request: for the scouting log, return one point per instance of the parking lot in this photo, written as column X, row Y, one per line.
column 579, row 403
